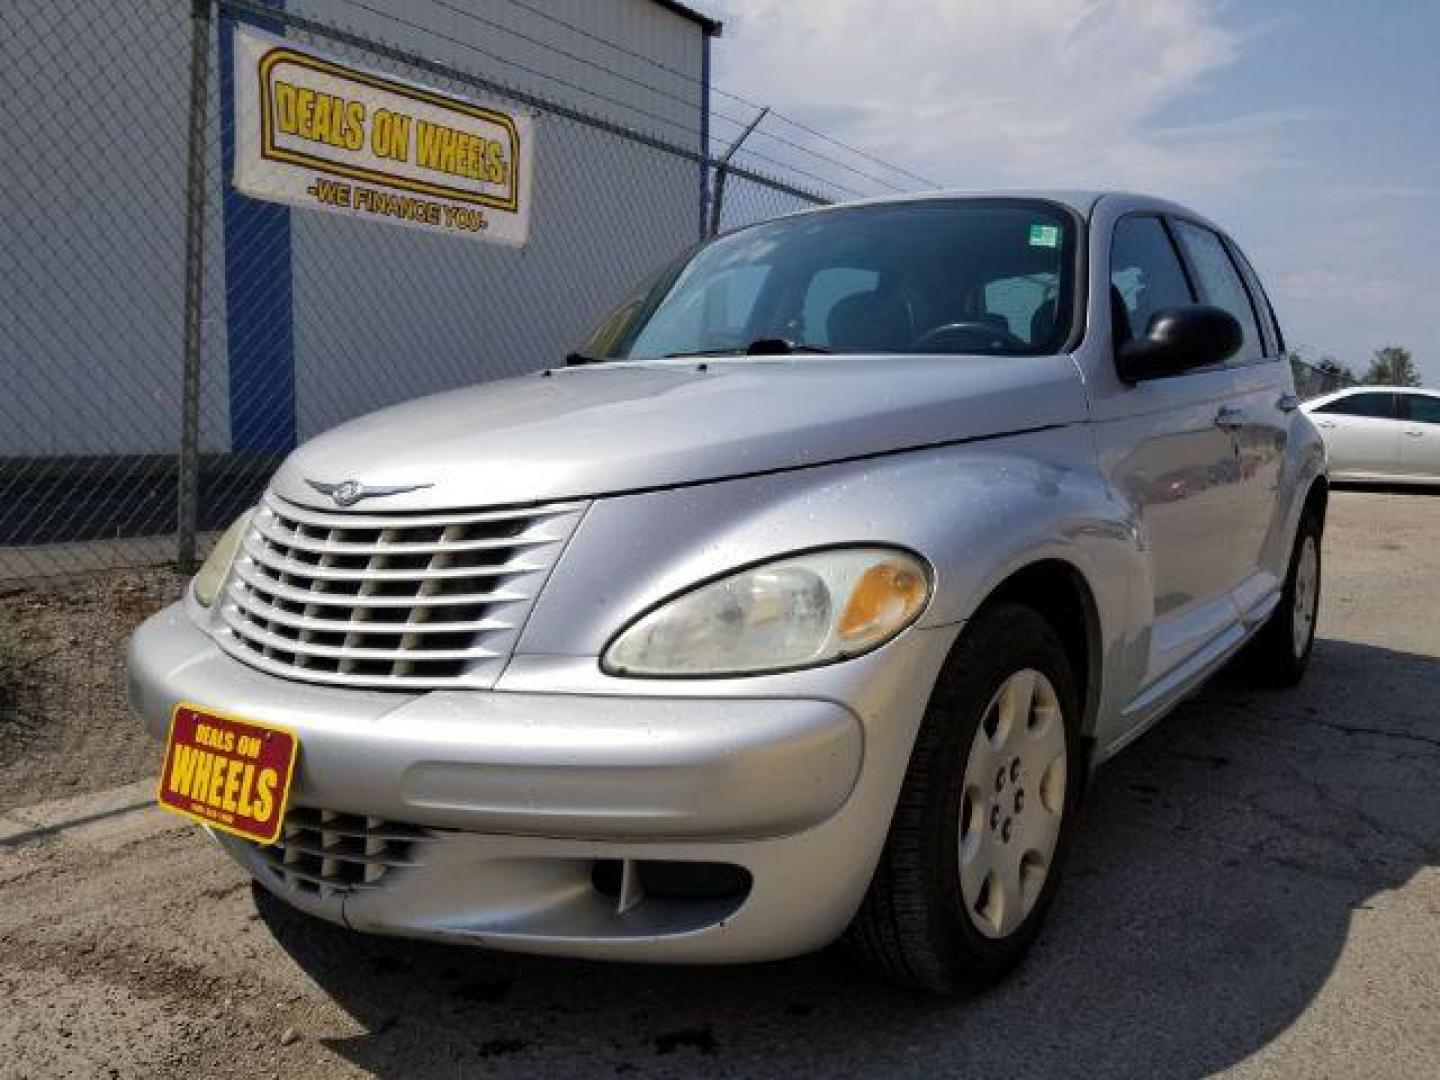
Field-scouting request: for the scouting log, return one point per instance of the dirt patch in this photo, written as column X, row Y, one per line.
column 65, row 726
column 1257, row 879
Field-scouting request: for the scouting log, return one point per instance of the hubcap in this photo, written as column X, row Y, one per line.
column 1013, row 803
column 1307, row 595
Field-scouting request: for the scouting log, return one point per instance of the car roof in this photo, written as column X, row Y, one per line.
column 1081, row 201
column 1364, row 388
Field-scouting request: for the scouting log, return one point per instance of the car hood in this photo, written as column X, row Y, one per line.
column 610, row 428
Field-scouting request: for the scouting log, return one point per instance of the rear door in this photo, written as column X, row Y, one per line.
column 1361, row 433
column 1257, row 417
column 1162, row 449
column 1420, row 435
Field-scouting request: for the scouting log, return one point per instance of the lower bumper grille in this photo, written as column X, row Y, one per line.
column 326, row 854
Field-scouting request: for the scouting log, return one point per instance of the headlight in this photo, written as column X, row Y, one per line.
column 792, row 613
column 216, row 568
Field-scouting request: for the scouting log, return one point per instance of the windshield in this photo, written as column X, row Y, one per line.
column 939, row 276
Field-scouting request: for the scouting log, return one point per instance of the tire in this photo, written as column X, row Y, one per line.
column 922, row 923
column 1280, row 652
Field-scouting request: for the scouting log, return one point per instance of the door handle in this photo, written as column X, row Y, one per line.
column 1324, row 423
column 1412, row 431
column 1229, row 418
column 1287, row 402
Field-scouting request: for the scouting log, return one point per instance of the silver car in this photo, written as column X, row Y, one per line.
column 1380, row 434
column 800, row 604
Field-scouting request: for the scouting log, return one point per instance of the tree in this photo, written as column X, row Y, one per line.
column 1337, row 371
column 1314, row 378
column 1392, row 366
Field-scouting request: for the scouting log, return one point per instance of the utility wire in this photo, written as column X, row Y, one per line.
column 651, row 88
column 688, row 77
column 657, row 117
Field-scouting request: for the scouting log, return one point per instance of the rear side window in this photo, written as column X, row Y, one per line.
column 1421, row 408
column 1220, row 284
column 1370, row 403
column 1269, row 324
column 1145, row 275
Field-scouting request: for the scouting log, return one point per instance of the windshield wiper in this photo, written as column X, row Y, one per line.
column 575, row 359
column 765, row 346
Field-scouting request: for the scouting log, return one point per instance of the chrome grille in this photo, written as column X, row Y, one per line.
column 327, row 854
column 395, row 600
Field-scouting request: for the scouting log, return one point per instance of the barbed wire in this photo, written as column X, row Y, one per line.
column 696, row 104
column 730, row 95
column 599, row 96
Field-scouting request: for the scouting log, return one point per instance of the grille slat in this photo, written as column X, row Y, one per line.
column 324, row 570
column 303, row 621
column 395, row 601
column 253, row 579
column 325, row 519
column 330, row 854
column 353, row 647
column 385, row 856
column 301, row 542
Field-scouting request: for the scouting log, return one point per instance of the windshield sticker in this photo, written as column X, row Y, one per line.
column 1045, row 236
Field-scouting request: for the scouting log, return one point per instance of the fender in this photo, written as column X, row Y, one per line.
column 977, row 512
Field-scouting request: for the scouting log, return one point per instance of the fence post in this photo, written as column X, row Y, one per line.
column 188, row 493
column 722, row 169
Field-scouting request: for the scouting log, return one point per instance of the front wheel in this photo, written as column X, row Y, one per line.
column 983, row 820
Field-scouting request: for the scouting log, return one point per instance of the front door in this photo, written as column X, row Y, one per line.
column 1420, row 435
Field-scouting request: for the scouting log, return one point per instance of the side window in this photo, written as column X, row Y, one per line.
column 827, row 289
column 1219, row 284
column 1370, row 403
column 1145, row 275
column 1269, row 324
column 1026, row 303
column 1421, row 408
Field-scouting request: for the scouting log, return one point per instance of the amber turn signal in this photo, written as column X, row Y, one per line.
column 886, row 597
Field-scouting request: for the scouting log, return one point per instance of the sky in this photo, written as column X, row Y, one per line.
column 1308, row 129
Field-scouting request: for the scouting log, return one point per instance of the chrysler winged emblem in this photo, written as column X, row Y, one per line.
column 349, row 492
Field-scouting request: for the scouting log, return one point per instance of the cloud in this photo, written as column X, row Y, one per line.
column 979, row 93
column 1343, row 287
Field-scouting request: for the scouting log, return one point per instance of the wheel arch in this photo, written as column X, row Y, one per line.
column 1317, row 498
column 1058, row 591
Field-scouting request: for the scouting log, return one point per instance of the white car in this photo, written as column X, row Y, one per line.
column 1386, row 434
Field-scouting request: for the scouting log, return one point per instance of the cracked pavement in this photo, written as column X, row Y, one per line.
column 1254, row 891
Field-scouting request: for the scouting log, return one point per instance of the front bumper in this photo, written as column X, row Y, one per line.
column 522, row 794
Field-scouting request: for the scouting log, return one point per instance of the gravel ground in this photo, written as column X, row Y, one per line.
column 1255, row 891
column 65, row 726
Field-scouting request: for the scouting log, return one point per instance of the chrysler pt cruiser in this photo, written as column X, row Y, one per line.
column 799, row 604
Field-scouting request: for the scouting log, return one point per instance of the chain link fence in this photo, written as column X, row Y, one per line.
column 157, row 374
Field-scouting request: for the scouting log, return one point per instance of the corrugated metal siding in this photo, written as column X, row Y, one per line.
column 93, row 259
column 424, row 314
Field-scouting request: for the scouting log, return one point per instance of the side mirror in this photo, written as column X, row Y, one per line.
column 1179, row 340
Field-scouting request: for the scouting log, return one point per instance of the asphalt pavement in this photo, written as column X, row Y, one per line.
column 1255, row 891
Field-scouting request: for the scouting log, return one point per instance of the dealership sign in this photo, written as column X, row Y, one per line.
column 314, row 132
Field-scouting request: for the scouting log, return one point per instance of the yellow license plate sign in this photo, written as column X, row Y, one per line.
column 228, row 773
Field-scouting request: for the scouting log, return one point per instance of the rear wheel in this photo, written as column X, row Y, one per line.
column 983, row 820
column 1280, row 652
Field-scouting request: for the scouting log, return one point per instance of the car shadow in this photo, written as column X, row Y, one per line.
column 1210, row 892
